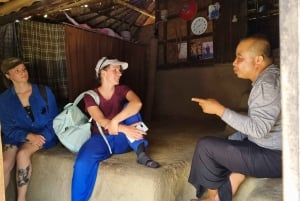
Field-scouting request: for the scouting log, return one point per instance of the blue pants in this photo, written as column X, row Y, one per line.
column 92, row 153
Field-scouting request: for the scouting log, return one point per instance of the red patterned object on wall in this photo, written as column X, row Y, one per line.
column 188, row 10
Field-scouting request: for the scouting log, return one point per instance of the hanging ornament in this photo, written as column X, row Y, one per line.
column 188, row 10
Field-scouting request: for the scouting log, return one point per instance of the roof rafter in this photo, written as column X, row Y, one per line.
column 135, row 8
column 12, row 6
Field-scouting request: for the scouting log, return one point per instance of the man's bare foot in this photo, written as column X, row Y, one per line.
column 212, row 195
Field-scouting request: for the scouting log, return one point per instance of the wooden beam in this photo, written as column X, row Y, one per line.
column 14, row 6
column 134, row 8
column 68, row 5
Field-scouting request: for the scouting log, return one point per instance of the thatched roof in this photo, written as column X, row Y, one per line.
column 118, row 15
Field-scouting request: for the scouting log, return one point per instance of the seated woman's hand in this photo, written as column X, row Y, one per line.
column 112, row 127
column 36, row 139
column 132, row 132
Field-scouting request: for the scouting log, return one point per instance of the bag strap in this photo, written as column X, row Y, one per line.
column 94, row 95
column 91, row 93
column 97, row 100
column 104, row 137
column 43, row 92
column 78, row 98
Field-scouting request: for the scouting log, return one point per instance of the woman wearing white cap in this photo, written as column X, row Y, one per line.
column 118, row 114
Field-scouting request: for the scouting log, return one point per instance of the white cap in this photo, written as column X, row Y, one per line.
column 105, row 62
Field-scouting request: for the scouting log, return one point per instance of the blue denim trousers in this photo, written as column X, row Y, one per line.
column 93, row 152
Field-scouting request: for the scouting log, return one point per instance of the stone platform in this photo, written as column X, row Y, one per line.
column 121, row 178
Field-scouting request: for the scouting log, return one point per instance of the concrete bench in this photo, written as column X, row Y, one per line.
column 121, row 178
column 260, row 189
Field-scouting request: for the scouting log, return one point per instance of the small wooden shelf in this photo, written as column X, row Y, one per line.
column 263, row 18
column 262, row 8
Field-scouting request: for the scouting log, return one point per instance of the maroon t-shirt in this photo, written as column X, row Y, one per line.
column 110, row 107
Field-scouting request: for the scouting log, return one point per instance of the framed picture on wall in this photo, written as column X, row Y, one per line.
column 208, row 50
column 201, row 48
column 183, row 43
column 182, row 50
column 177, row 52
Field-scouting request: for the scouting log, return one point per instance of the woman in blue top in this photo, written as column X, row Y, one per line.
column 26, row 118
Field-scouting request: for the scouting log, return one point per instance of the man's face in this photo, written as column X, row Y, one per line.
column 244, row 63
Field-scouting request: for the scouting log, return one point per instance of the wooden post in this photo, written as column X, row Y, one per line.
column 2, row 186
column 151, row 72
column 290, row 79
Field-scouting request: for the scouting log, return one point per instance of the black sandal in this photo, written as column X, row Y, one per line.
column 145, row 160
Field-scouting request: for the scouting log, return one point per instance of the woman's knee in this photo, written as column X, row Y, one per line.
column 9, row 158
column 23, row 155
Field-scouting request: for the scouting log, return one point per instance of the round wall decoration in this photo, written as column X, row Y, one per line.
column 188, row 10
column 199, row 25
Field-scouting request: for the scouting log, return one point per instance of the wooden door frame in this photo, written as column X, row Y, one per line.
column 289, row 65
